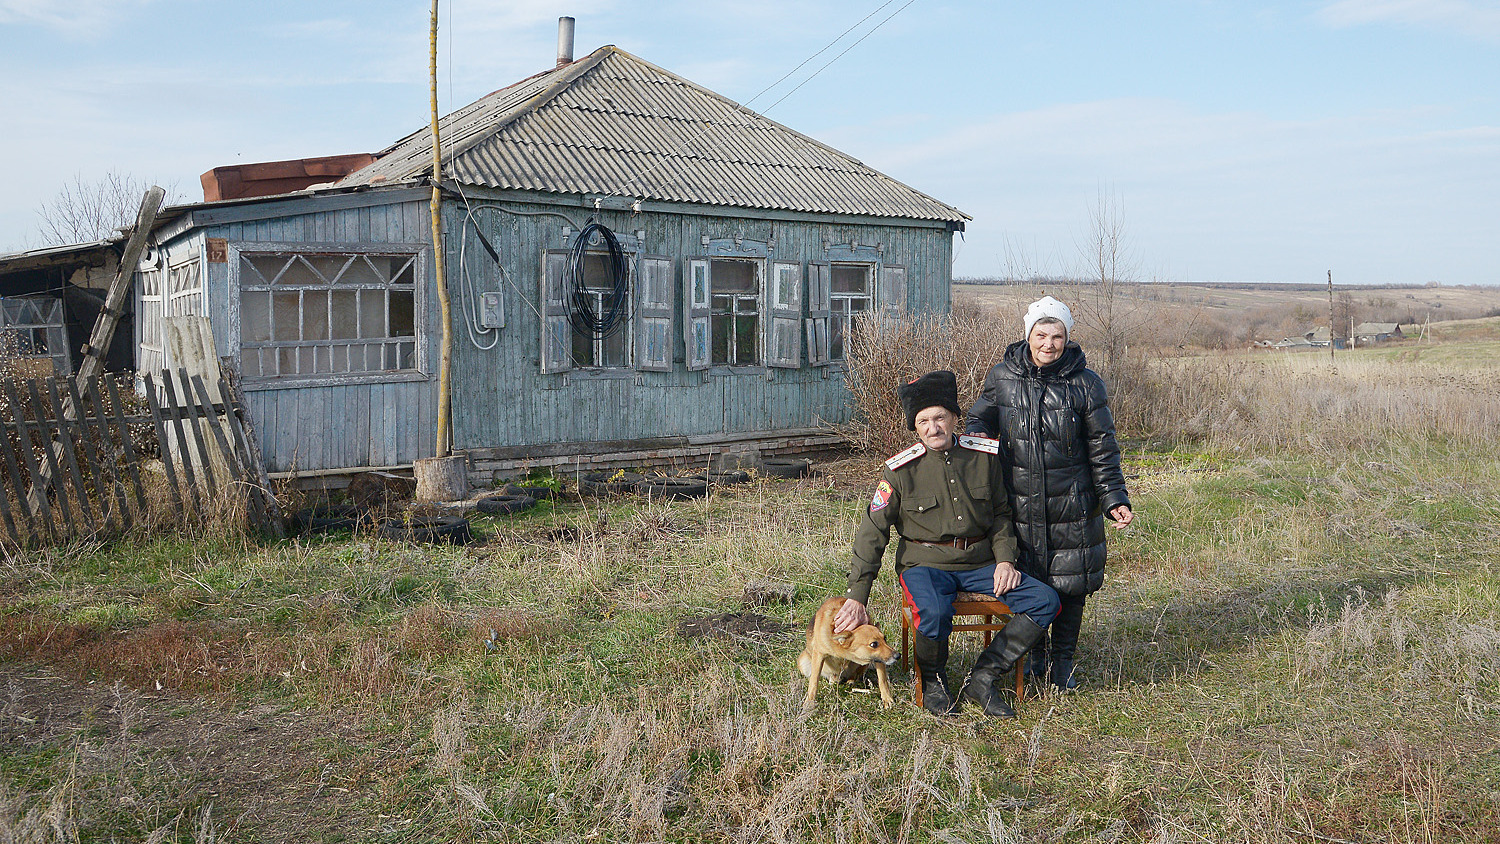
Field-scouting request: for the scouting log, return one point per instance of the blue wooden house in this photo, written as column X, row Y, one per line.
column 745, row 253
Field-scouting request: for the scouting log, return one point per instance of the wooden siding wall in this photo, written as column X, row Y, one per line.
column 311, row 428
column 501, row 398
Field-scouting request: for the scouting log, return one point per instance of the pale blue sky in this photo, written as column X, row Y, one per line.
column 1251, row 141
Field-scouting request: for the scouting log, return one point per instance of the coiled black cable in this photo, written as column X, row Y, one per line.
column 616, row 305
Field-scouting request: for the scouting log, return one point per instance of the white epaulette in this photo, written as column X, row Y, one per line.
column 906, row 456
column 984, row 444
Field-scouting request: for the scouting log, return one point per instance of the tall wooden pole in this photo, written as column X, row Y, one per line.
column 1330, row 315
column 445, row 355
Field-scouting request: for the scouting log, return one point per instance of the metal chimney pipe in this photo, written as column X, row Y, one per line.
column 564, row 41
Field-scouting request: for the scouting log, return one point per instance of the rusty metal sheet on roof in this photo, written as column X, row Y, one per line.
column 614, row 124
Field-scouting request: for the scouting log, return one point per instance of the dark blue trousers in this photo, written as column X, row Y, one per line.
column 930, row 593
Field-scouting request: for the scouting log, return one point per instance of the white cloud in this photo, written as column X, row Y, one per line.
column 1479, row 20
column 79, row 19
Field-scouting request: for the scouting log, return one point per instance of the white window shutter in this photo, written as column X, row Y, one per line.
column 696, row 326
column 653, row 327
column 557, row 331
column 784, row 337
column 819, row 309
column 892, row 293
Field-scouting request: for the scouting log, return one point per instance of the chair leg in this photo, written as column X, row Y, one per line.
column 916, row 675
column 905, row 644
column 1020, row 679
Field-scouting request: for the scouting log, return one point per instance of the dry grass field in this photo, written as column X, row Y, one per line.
column 1233, row 315
column 1299, row 641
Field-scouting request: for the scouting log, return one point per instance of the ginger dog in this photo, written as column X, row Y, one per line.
column 843, row 657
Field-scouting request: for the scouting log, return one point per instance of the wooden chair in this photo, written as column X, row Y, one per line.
column 996, row 614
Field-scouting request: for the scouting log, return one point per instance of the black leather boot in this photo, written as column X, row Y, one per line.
column 988, row 683
column 932, row 665
column 1064, row 634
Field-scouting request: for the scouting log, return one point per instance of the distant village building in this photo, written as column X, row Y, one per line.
column 1377, row 332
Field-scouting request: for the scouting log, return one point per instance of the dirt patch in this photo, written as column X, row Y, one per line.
column 734, row 627
column 269, row 772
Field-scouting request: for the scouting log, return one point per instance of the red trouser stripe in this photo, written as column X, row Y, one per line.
column 916, row 614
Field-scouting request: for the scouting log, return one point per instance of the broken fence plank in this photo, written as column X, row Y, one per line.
column 244, row 435
column 13, row 470
column 163, row 445
column 48, row 465
column 196, row 426
column 132, row 460
column 66, row 432
column 38, row 499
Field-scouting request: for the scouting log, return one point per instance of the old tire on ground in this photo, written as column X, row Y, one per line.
column 786, row 467
column 722, row 477
column 608, row 483
column 540, row 493
column 671, row 489
column 500, row 505
column 432, row 529
column 327, row 518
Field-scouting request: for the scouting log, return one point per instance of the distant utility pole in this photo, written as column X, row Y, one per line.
column 1330, row 316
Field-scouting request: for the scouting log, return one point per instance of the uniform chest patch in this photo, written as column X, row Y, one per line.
column 882, row 497
column 984, row 444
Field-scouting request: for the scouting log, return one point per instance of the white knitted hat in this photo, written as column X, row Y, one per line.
column 1048, row 307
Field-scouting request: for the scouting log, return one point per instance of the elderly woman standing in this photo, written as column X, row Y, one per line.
column 1051, row 415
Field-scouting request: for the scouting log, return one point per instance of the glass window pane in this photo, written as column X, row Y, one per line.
column 328, row 267
column 614, row 349
column 259, row 270
column 285, row 311
column 402, row 269
column 345, row 314
column 362, row 271
column 746, row 329
column 734, row 277
column 583, row 348
column 255, row 317
column 403, row 313
column 850, row 279
column 315, row 315
column 723, row 335
column 371, row 313
column 300, row 273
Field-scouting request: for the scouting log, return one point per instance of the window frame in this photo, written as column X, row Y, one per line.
column 841, row 321
column 419, row 254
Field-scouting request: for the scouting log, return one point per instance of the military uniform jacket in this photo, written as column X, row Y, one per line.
column 935, row 496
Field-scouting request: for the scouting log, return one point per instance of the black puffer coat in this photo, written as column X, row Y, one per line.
column 1062, row 464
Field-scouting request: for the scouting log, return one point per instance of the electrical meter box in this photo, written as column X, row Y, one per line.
column 491, row 310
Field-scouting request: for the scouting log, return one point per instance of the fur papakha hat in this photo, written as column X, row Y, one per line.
column 935, row 389
column 1048, row 307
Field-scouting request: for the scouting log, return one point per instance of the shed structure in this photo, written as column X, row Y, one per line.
column 746, row 252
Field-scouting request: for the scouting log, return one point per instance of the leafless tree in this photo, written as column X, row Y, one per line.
column 1104, row 297
column 87, row 210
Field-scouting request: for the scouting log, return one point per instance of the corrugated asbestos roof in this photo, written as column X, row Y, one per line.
column 615, row 125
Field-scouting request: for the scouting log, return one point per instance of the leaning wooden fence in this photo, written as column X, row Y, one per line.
column 74, row 454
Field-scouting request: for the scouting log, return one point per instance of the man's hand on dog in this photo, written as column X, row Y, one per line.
column 851, row 615
column 1006, row 578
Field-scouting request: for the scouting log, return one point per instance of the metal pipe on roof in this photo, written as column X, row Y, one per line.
column 564, row 41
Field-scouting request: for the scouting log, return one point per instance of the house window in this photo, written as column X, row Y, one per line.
column 32, row 327
column 326, row 313
column 598, row 286
column 850, row 294
column 734, row 312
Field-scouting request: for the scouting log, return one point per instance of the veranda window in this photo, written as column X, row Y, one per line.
column 327, row 314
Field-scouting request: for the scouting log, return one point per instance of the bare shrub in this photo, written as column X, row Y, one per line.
column 967, row 341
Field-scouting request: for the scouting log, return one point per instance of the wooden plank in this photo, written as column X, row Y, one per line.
column 51, row 465
column 195, row 424
column 244, row 436
column 132, row 460
column 183, row 453
column 232, row 462
column 164, row 445
column 39, row 503
column 99, row 455
column 70, row 435
column 119, row 287
column 14, row 474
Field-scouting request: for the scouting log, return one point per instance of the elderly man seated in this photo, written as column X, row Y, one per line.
column 953, row 521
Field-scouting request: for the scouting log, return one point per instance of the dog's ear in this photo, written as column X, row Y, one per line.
column 843, row 638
